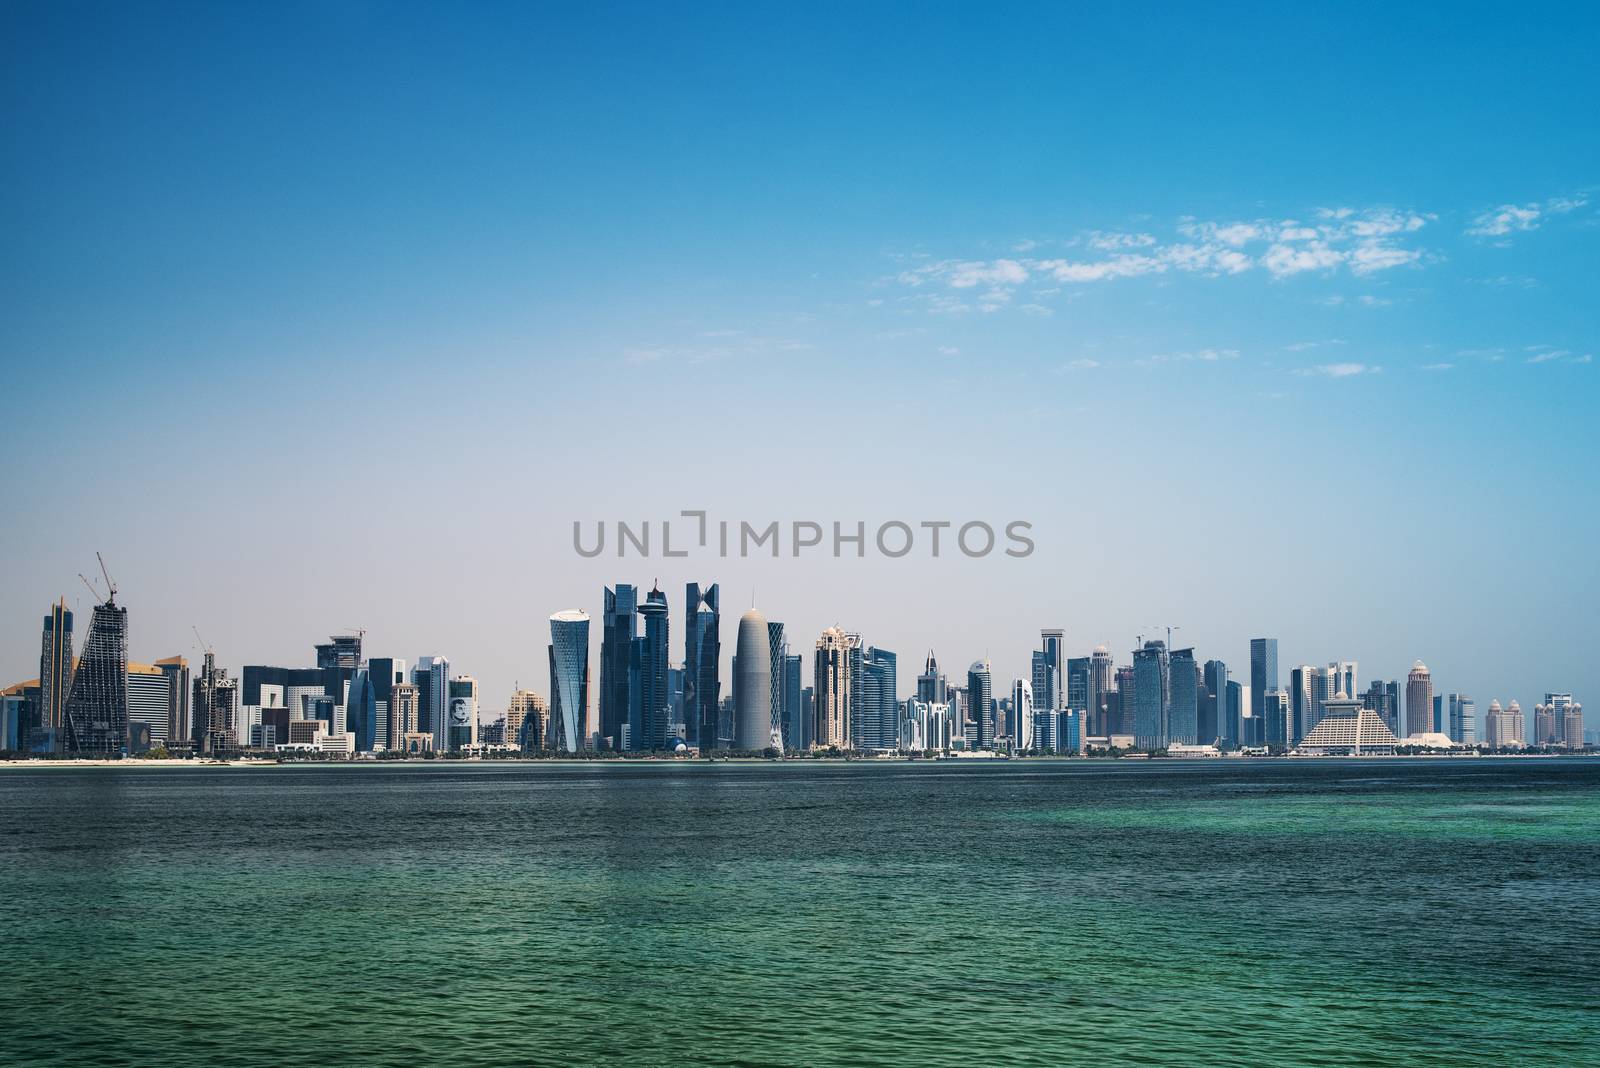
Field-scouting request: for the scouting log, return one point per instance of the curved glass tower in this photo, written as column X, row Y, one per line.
column 569, row 681
column 752, row 684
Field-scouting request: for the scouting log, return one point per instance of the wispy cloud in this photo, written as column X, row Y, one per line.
column 1437, row 366
column 1341, row 370
column 1550, row 354
column 1510, row 219
column 1361, row 242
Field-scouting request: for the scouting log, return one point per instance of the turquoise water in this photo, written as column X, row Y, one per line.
column 1402, row 913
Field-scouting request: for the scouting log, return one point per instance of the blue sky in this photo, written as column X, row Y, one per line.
column 1270, row 321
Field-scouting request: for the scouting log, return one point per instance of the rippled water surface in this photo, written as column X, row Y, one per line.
column 1402, row 913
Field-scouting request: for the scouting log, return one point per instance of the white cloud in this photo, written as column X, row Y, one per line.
column 1283, row 260
column 949, row 350
column 1341, row 370
column 1437, row 366
column 1084, row 364
column 1520, row 218
column 1111, row 241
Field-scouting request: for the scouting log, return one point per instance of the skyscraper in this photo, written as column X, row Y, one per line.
column 150, row 702
column 1215, row 723
column 95, row 719
column 831, row 689
column 1264, row 677
column 402, row 715
column 55, row 668
column 980, row 696
column 797, row 728
column 1127, row 699
column 1052, row 696
column 1152, row 695
column 618, row 628
column 752, row 684
column 1183, row 717
column 932, row 687
column 1022, row 716
column 1102, row 675
column 463, row 712
column 1419, row 700
column 1075, row 692
column 361, row 710
column 702, row 663
column 778, row 652
column 179, row 720
column 215, row 707
column 878, row 713
column 655, row 693
column 1463, row 720
column 432, row 679
column 569, row 681
column 1302, row 713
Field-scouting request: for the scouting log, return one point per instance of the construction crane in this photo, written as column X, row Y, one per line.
column 1158, row 627
column 205, row 647
column 111, row 596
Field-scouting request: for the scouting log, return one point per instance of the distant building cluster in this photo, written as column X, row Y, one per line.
column 95, row 703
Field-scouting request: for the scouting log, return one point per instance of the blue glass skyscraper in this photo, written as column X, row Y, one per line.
column 1152, row 695
column 655, row 693
column 569, row 681
column 702, row 659
column 1183, row 716
column 1263, row 673
column 618, row 629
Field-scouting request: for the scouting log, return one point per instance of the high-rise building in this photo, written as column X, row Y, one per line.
column 526, row 716
column 95, row 719
column 361, row 710
column 1077, row 685
column 179, row 720
column 797, row 726
column 1215, row 722
column 702, row 663
column 1153, row 695
column 150, row 703
column 432, row 679
column 1276, row 720
column 778, row 653
column 1346, row 677
column 655, row 726
column 463, row 712
column 1238, row 704
column 831, row 689
column 1102, row 676
column 1324, row 688
column 1302, row 714
column 618, row 630
column 55, row 668
column 1419, row 700
column 569, row 681
column 215, row 707
column 1127, row 699
column 1463, row 720
column 1264, row 676
column 1500, row 727
column 1572, row 726
column 1183, row 714
column 932, row 686
column 402, row 714
column 752, row 684
column 878, row 712
column 1051, row 694
column 980, row 697
column 1022, row 716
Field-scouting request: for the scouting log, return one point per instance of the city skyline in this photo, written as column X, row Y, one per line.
column 1256, row 336
column 641, row 698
